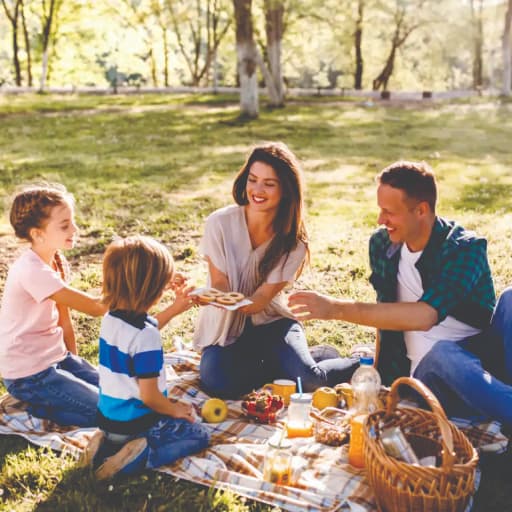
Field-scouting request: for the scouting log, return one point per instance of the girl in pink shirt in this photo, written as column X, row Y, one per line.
column 38, row 355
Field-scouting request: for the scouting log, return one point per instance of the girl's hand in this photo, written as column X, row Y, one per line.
column 183, row 411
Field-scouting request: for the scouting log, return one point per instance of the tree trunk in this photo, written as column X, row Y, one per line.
column 274, row 27
column 166, row 57
column 247, row 59
column 47, row 22
column 507, row 52
column 402, row 31
column 384, row 76
column 27, row 46
column 358, row 39
column 15, row 57
column 13, row 18
column 152, row 64
column 478, row 45
column 44, row 71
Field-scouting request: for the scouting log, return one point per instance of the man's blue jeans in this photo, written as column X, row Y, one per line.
column 66, row 392
column 473, row 378
column 278, row 350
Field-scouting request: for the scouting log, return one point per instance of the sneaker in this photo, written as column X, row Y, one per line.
column 92, row 448
column 129, row 459
column 322, row 352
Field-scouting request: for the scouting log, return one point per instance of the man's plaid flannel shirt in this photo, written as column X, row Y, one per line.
column 456, row 281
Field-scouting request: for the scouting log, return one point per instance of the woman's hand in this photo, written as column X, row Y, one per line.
column 262, row 297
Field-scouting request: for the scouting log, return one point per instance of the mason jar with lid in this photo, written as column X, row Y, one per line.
column 277, row 466
column 299, row 422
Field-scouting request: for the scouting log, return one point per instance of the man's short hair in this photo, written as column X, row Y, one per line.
column 416, row 179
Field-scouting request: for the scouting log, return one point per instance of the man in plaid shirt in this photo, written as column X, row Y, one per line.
column 435, row 301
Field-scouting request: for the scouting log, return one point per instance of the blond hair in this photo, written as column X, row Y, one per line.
column 136, row 271
column 32, row 207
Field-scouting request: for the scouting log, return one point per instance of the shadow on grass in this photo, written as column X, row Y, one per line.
column 494, row 492
column 485, row 197
column 150, row 491
column 10, row 445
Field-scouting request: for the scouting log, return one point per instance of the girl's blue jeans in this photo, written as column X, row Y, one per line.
column 473, row 378
column 278, row 350
column 66, row 392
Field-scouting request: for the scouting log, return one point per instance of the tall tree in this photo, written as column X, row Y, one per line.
column 13, row 15
column 507, row 51
column 49, row 17
column 199, row 31
column 26, row 39
column 358, row 40
column 247, row 59
column 478, row 42
column 274, row 29
column 402, row 30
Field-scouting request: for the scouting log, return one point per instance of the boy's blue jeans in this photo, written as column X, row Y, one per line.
column 169, row 439
column 66, row 392
column 473, row 378
column 278, row 350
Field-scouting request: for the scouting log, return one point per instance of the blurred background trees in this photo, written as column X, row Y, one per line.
column 348, row 44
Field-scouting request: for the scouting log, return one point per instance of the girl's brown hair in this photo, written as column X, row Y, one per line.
column 32, row 207
column 288, row 223
column 136, row 271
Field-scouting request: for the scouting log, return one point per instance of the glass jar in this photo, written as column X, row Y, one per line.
column 299, row 422
column 277, row 466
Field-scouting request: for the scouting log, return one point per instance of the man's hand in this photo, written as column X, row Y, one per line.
column 310, row 305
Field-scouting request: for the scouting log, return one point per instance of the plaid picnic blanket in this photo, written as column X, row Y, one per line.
column 234, row 461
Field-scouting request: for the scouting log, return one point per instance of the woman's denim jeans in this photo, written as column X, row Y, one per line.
column 66, row 392
column 473, row 378
column 278, row 350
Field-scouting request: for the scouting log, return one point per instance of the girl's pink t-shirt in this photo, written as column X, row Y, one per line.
column 30, row 338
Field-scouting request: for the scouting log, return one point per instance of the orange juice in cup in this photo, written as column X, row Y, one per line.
column 299, row 423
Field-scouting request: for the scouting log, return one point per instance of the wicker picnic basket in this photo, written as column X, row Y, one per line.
column 402, row 487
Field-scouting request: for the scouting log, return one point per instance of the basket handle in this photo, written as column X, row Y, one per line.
column 321, row 416
column 442, row 421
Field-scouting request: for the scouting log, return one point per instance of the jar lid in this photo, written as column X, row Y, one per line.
column 301, row 398
column 278, row 441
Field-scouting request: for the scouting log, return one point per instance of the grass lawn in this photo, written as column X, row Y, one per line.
column 159, row 164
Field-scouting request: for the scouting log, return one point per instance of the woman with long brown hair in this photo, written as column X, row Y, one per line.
column 258, row 247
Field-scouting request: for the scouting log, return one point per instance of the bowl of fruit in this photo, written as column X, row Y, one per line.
column 262, row 406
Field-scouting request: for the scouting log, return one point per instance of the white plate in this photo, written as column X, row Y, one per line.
column 244, row 302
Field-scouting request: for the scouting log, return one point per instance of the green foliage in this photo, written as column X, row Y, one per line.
column 161, row 43
column 160, row 164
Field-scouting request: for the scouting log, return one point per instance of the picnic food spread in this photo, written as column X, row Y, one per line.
column 262, row 406
column 211, row 295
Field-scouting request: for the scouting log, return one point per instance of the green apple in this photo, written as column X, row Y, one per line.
column 214, row 410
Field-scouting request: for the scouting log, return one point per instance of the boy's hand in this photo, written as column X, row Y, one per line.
column 178, row 279
column 183, row 411
column 183, row 300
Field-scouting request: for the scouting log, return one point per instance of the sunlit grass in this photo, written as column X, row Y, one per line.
column 159, row 164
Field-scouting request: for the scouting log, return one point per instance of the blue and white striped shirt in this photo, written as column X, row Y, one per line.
column 130, row 349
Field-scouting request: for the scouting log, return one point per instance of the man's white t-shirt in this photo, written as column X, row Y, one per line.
column 410, row 289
